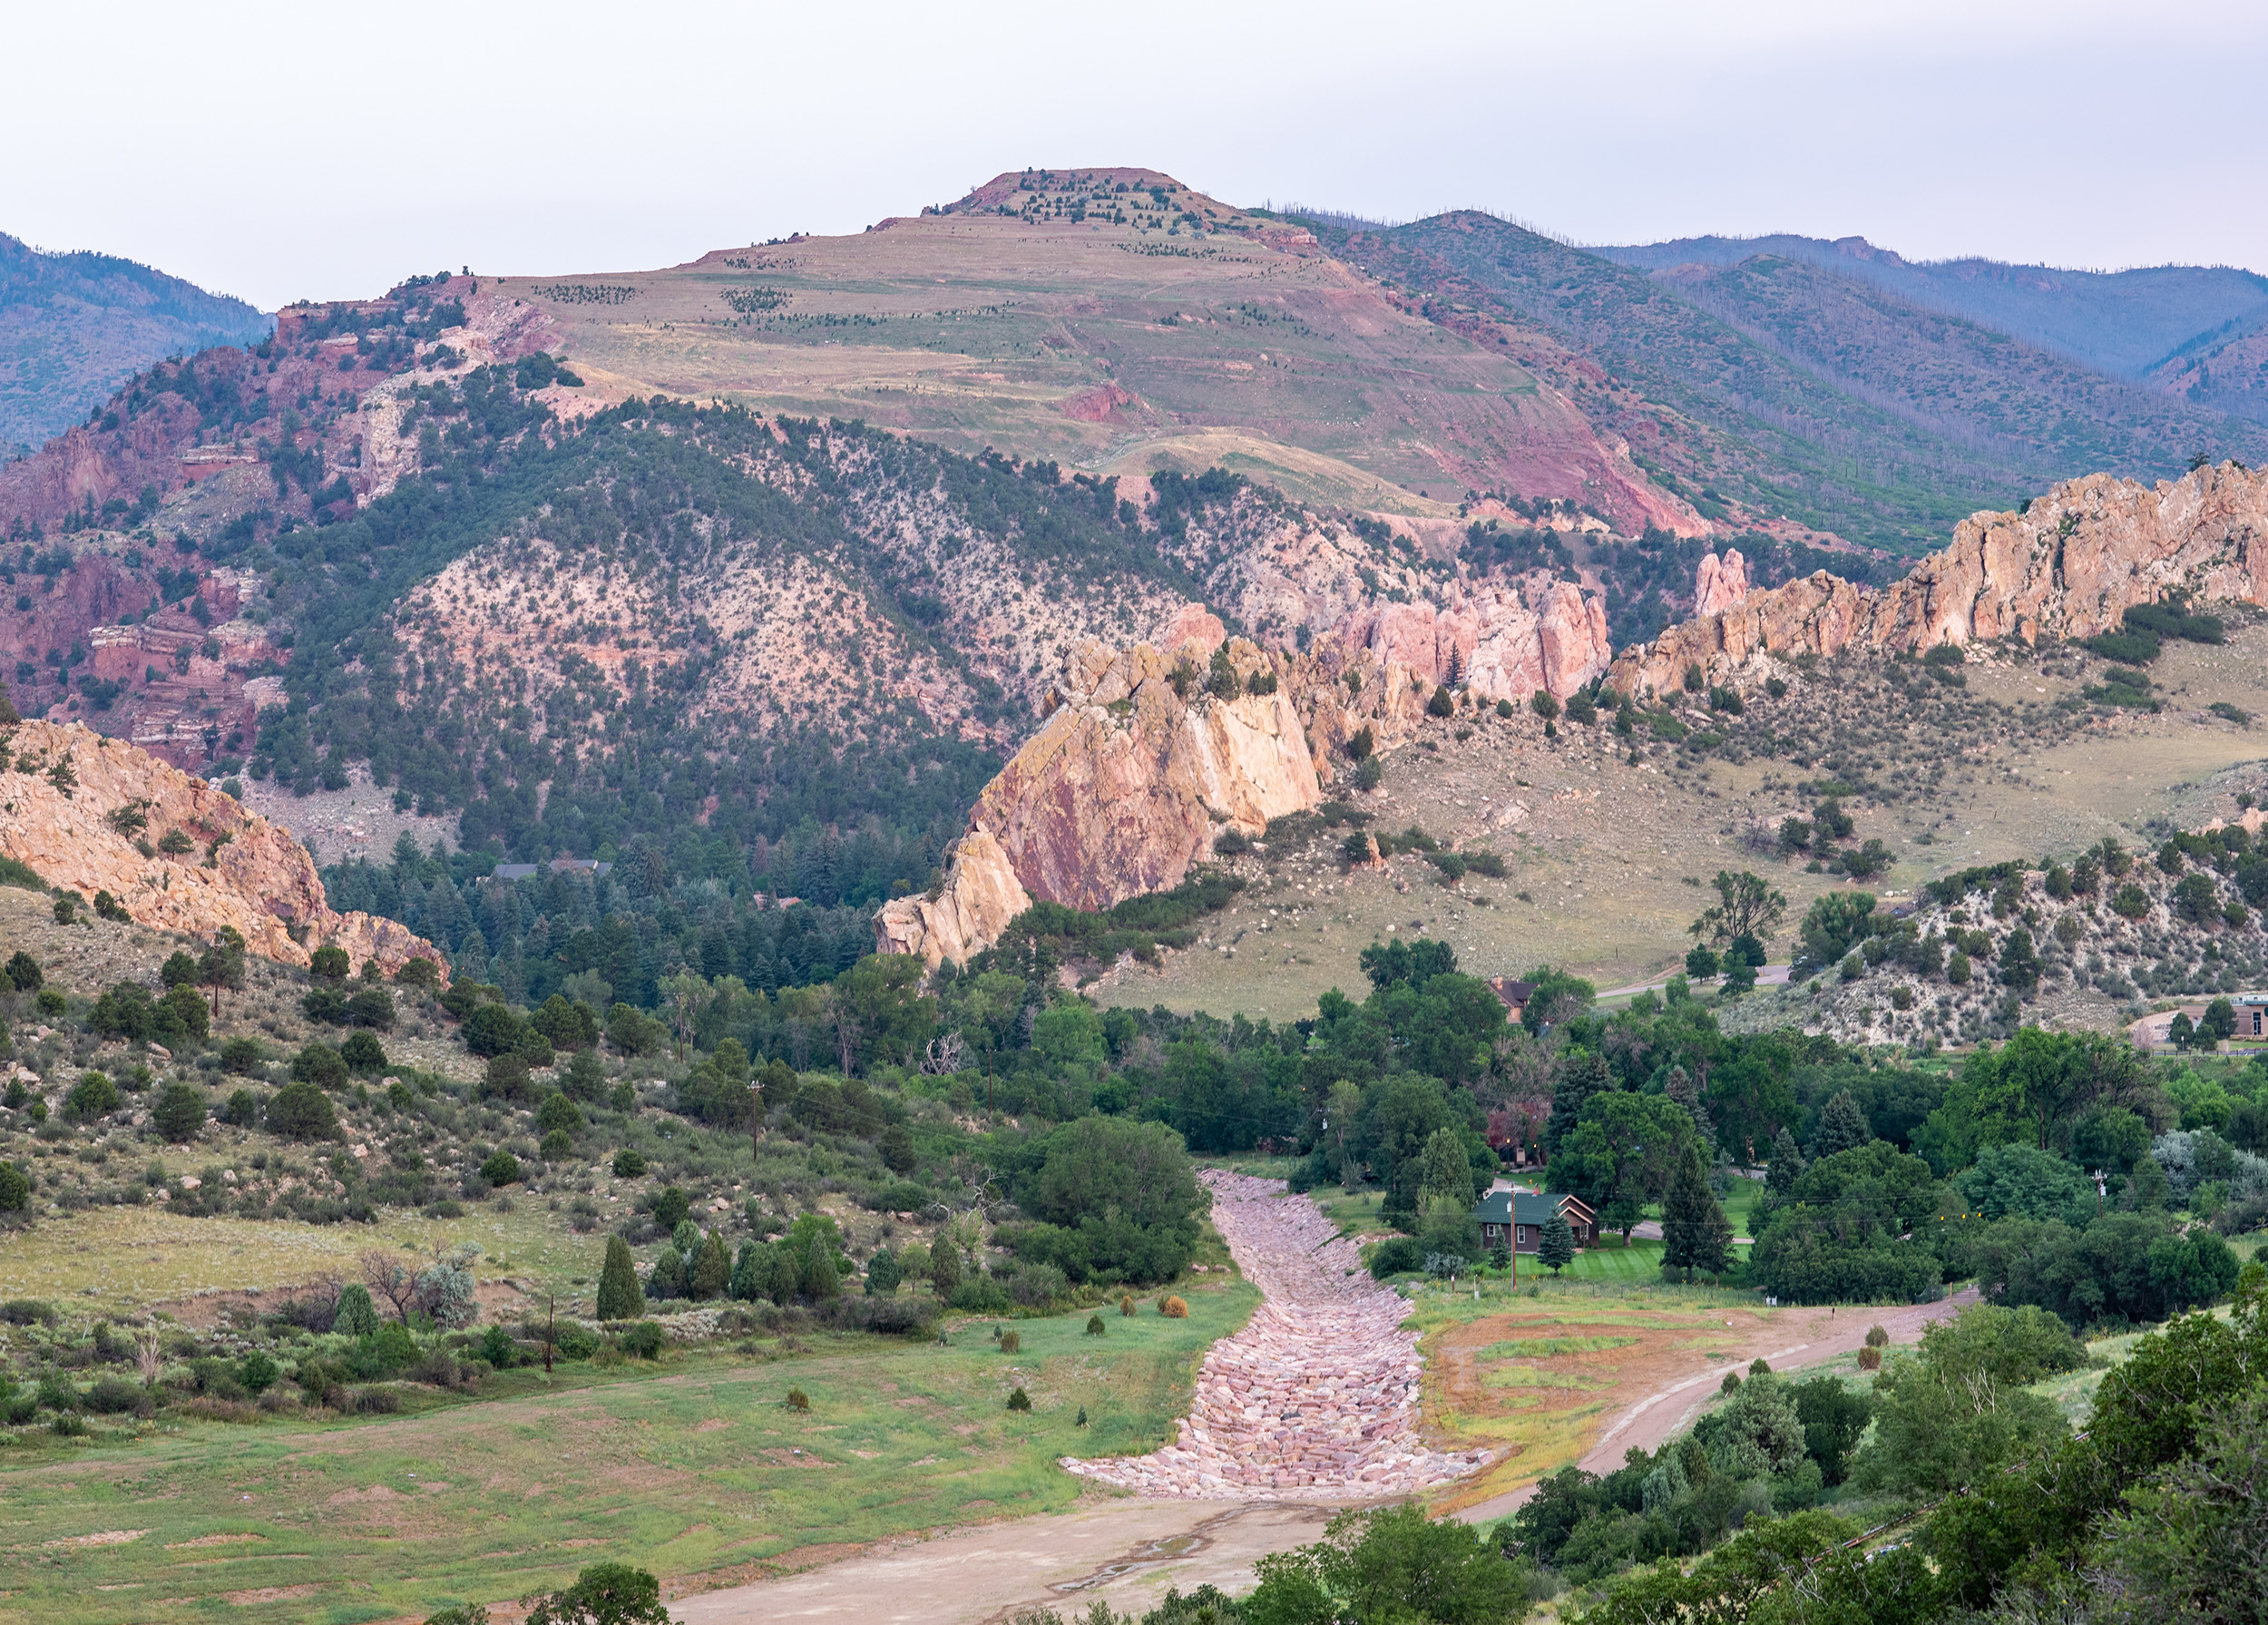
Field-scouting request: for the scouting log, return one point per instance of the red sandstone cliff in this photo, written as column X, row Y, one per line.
column 261, row 881
column 2067, row 566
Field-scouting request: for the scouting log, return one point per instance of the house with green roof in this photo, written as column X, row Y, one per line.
column 1514, row 1219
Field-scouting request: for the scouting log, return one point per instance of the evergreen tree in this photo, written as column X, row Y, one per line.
column 1686, row 1209
column 1786, row 1167
column 944, row 1267
column 820, row 1281
column 1556, row 1250
column 882, row 1273
column 1682, row 1088
column 357, row 1316
column 619, row 1297
column 669, row 1274
column 1713, row 1251
column 712, row 1268
column 1581, row 1076
column 1842, row 1127
column 1447, row 1175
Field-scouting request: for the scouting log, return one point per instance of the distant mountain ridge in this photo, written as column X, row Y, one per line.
column 1762, row 385
column 2124, row 323
column 76, row 326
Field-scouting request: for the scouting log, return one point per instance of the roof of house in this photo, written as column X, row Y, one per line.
column 1516, row 995
column 1506, row 1207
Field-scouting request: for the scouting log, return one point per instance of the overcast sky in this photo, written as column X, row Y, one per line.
column 284, row 151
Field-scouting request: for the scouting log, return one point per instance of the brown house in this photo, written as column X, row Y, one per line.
column 1515, row 995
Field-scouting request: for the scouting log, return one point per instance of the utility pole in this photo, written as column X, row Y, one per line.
column 551, row 1318
column 756, row 1117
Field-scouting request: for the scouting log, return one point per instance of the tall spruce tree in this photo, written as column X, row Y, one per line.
column 1785, row 1168
column 1556, row 1250
column 712, row 1268
column 1580, row 1077
column 619, row 1297
column 1842, row 1127
column 1686, row 1209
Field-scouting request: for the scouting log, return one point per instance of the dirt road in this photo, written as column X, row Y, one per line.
column 1796, row 1338
column 1125, row 1551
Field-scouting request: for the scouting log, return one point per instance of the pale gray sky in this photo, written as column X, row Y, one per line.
column 287, row 150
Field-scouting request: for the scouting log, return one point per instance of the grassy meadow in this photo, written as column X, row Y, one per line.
column 694, row 1467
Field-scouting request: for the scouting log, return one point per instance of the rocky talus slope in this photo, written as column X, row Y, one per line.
column 2067, row 566
column 75, row 803
column 1317, row 1395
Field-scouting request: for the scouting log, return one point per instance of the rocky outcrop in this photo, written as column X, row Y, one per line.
column 1720, row 582
column 2068, row 565
column 1136, row 772
column 980, row 896
column 68, row 805
column 1501, row 643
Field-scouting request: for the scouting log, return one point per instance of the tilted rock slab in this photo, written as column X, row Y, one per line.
column 1123, row 790
column 2069, row 566
column 1317, row 1395
column 261, row 881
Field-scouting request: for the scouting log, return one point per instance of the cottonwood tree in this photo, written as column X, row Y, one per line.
column 1746, row 906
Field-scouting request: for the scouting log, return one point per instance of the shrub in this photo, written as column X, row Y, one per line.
column 1125, row 1305
column 242, row 1110
column 490, row 1030
column 363, row 1054
column 1870, row 1359
column 1010, row 1342
column 2130, row 902
column 1018, row 1400
column 93, row 1096
column 240, row 1056
column 1095, row 1327
column 642, row 1339
column 15, row 1190
column 797, row 1400
column 671, row 1207
column 1877, row 1336
column 178, row 1113
column 300, row 1111
column 557, row 1145
column 506, row 1078
column 321, row 1065
column 114, row 1397
column 1441, row 705
column 628, row 1164
column 1173, row 1308
column 502, row 1168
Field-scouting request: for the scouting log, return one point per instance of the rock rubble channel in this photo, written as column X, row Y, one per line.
column 1318, row 1393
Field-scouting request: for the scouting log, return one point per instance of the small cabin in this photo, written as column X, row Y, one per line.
column 1514, row 1219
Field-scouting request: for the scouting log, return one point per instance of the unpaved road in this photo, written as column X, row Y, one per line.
column 1796, row 1338
column 1125, row 1551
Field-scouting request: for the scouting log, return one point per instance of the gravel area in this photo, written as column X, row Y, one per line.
column 1318, row 1394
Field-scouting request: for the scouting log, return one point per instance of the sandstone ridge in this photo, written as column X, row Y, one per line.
column 1140, row 768
column 2068, row 565
column 57, row 803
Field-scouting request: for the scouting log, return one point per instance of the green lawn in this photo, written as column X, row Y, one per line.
column 691, row 1468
